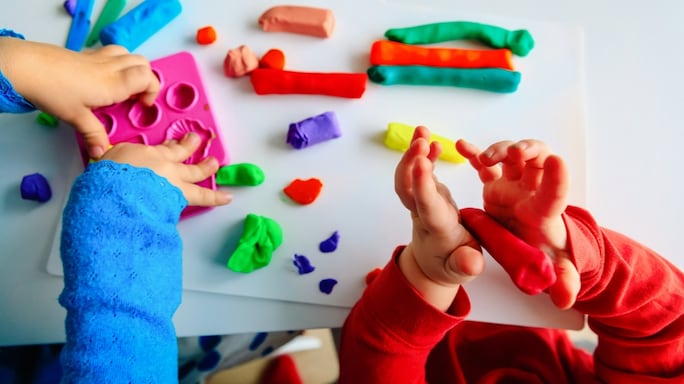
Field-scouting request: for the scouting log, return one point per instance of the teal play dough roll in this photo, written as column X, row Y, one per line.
column 520, row 41
column 487, row 79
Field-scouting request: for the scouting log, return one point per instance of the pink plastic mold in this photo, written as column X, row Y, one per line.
column 181, row 107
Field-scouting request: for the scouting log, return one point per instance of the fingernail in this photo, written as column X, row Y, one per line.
column 191, row 136
column 225, row 198
column 521, row 145
column 488, row 153
column 96, row 151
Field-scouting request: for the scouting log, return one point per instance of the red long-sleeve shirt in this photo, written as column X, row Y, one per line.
column 633, row 297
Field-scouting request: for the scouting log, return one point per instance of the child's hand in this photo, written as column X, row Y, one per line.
column 525, row 189
column 69, row 84
column 166, row 160
column 442, row 254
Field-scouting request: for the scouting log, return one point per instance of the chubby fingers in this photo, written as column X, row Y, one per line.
column 522, row 160
column 564, row 292
column 92, row 132
column 466, row 262
column 139, row 80
column 551, row 196
column 403, row 174
column 429, row 205
column 189, row 174
column 180, row 151
column 487, row 173
column 204, row 197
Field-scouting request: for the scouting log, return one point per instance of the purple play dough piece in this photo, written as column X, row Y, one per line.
column 330, row 244
column 326, row 285
column 313, row 130
column 303, row 264
column 35, row 187
column 70, row 7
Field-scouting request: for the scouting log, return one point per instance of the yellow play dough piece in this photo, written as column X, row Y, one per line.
column 399, row 136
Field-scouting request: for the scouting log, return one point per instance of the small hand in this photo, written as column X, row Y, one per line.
column 442, row 254
column 166, row 160
column 70, row 84
column 525, row 189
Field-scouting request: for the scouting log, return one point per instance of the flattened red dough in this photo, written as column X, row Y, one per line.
column 304, row 191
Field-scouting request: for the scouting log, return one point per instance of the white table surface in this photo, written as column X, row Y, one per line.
column 632, row 80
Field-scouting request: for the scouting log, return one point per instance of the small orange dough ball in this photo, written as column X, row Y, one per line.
column 273, row 59
column 206, row 35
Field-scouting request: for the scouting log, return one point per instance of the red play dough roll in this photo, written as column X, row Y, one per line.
column 273, row 81
column 530, row 268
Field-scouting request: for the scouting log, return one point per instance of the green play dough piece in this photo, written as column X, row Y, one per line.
column 240, row 174
column 47, row 120
column 261, row 236
column 520, row 41
column 488, row 79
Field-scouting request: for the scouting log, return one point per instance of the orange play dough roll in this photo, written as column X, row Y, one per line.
column 302, row 20
column 385, row 52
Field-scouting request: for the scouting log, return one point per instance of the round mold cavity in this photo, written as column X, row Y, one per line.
column 107, row 121
column 142, row 116
column 139, row 139
column 182, row 96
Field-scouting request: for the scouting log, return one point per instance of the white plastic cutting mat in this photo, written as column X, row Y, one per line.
column 358, row 197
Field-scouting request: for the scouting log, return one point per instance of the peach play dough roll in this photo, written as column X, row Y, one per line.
column 399, row 136
column 310, row 21
column 393, row 53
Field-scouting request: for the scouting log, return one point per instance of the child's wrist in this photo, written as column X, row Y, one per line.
column 438, row 295
column 11, row 100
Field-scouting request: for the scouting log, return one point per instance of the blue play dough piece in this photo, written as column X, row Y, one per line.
column 330, row 244
column 209, row 362
column 80, row 25
column 140, row 23
column 303, row 264
column 259, row 339
column 186, row 368
column 35, row 187
column 326, row 285
column 267, row 351
column 207, row 343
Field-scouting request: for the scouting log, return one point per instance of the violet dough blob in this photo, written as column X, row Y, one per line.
column 313, row 130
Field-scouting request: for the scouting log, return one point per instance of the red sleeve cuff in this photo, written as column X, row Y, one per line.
column 583, row 235
column 395, row 304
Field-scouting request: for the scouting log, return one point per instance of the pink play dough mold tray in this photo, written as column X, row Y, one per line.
column 182, row 106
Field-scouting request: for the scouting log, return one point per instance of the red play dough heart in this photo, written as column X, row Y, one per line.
column 304, row 191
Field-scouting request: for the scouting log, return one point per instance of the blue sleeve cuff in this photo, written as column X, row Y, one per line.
column 10, row 100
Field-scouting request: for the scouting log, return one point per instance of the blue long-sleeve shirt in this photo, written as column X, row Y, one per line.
column 10, row 100
column 121, row 254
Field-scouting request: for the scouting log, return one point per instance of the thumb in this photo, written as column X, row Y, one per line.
column 465, row 263
column 564, row 291
column 92, row 132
